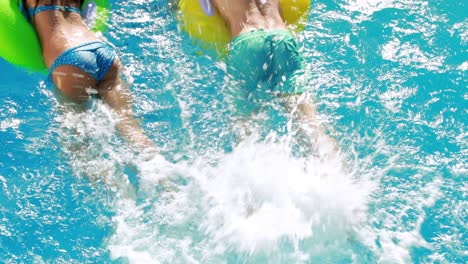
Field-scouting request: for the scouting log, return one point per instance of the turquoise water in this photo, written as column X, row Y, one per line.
column 389, row 79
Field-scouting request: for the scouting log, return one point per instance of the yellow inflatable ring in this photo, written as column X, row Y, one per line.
column 211, row 31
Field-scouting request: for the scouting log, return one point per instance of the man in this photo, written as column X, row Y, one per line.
column 262, row 49
column 264, row 57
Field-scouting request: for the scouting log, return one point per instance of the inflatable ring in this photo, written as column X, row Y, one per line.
column 211, row 32
column 20, row 45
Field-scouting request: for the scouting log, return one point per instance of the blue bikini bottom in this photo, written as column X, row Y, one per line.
column 94, row 58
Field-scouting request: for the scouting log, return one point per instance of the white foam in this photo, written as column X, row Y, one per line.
column 397, row 238
column 260, row 194
column 248, row 201
column 369, row 7
column 411, row 55
column 131, row 237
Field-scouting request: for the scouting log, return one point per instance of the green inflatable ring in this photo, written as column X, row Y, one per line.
column 20, row 45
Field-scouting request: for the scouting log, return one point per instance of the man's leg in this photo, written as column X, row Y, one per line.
column 306, row 119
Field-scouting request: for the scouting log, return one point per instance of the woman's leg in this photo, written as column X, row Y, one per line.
column 79, row 86
column 116, row 94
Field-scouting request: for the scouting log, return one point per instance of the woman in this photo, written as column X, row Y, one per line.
column 80, row 64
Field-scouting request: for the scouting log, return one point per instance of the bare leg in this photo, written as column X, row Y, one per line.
column 117, row 96
column 78, row 86
column 305, row 115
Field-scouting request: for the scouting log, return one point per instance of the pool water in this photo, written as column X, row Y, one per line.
column 389, row 79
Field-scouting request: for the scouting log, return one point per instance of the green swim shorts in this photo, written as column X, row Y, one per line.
column 266, row 57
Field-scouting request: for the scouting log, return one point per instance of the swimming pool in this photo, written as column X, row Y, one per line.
column 389, row 78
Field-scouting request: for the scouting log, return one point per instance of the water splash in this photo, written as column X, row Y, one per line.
column 249, row 201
